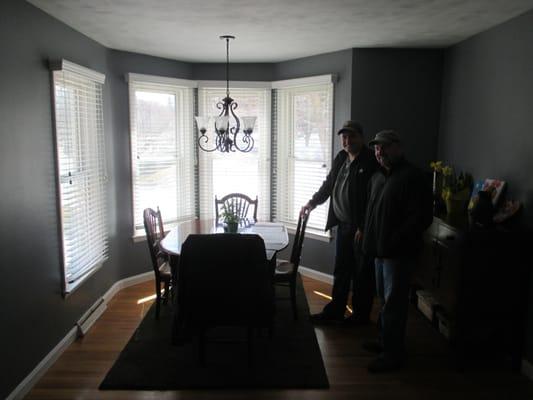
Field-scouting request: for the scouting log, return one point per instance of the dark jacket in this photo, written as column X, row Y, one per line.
column 361, row 170
column 399, row 211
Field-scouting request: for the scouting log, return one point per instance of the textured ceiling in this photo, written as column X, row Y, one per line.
column 276, row 30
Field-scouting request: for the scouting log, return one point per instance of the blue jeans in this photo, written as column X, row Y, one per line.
column 392, row 284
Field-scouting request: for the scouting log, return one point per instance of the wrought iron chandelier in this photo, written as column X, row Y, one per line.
column 222, row 137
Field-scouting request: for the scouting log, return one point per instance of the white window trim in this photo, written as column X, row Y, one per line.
column 139, row 234
column 235, row 84
column 99, row 78
column 297, row 84
column 78, row 69
column 163, row 80
column 307, row 81
column 205, row 158
column 312, row 233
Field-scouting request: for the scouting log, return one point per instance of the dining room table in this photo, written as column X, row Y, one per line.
column 274, row 234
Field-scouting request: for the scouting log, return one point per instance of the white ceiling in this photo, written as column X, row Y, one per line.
column 276, row 30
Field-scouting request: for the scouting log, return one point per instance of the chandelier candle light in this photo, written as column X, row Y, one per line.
column 226, row 138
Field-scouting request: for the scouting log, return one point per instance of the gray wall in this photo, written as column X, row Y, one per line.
column 238, row 71
column 487, row 117
column 35, row 316
column 400, row 89
column 40, row 317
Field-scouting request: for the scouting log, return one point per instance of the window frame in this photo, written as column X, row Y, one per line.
column 284, row 142
column 206, row 203
column 89, row 137
column 163, row 85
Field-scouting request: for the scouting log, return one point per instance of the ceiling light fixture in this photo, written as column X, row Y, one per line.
column 216, row 132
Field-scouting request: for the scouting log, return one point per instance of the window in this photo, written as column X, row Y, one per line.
column 247, row 173
column 304, row 109
column 162, row 148
column 81, row 170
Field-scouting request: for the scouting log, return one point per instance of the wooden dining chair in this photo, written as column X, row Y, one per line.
column 241, row 204
column 153, row 226
column 224, row 281
column 286, row 272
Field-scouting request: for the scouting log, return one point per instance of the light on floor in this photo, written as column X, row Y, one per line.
column 329, row 298
column 149, row 298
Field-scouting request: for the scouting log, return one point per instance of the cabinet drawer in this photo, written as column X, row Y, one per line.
column 433, row 230
column 449, row 237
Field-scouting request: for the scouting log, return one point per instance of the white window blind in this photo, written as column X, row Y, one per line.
column 304, row 141
column 81, row 169
column 247, row 173
column 162, row 148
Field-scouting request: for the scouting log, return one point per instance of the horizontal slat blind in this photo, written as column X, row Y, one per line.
column 304, row 141
column 162, row 151
column 247, row 173
column 79, row 133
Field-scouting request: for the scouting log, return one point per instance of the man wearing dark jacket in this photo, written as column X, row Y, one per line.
column 399, row 210
column 346, row 185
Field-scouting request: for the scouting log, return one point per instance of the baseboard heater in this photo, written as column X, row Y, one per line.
column 89, row 318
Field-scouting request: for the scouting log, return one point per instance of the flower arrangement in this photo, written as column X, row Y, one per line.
column 231, row 217
column 454, row 189
column 455, row 185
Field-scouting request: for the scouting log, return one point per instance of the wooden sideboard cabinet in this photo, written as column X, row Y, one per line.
column 478, row 279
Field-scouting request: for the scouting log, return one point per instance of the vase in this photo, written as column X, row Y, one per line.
column 456, row 203
column 231, row 227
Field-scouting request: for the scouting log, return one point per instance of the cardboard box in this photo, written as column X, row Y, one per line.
column 446, row 327
column 426, row 303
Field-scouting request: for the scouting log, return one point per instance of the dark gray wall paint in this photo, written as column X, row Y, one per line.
column 487, row 117
column 237, row 71
column 400, row 89
column 35, row 317
column 319, row 255
column 40, row 317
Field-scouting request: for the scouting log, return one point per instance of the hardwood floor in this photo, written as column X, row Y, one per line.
column 429, row 373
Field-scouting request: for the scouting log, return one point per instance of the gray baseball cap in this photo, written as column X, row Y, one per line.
column 385, row 137
column 351, row 127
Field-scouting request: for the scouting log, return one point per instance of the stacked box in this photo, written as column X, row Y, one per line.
column 445, row 325
column 426, row 303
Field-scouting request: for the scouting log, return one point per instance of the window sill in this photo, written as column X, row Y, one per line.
column 312, row 233
column 139, row 237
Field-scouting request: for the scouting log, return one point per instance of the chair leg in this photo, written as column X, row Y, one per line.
column 292, row 286
column 201, row 348
column 250, row 346
column 157, row 298
column 167, row 287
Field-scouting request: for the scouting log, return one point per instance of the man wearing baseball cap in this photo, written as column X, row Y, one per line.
column 399, row 210
column 346, row 186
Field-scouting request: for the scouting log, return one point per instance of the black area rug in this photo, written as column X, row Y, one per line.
column 290, row 359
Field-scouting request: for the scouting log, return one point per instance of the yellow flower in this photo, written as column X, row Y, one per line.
column 436, row 166
column 447, row 171
column 446, row 194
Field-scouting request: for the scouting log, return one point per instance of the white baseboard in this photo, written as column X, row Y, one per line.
column 27, row 383
column 127, row 282
column 319, row 276
column 527, row 369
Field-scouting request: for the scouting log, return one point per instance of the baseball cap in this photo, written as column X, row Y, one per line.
column 351, row 127
column 385, row 137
